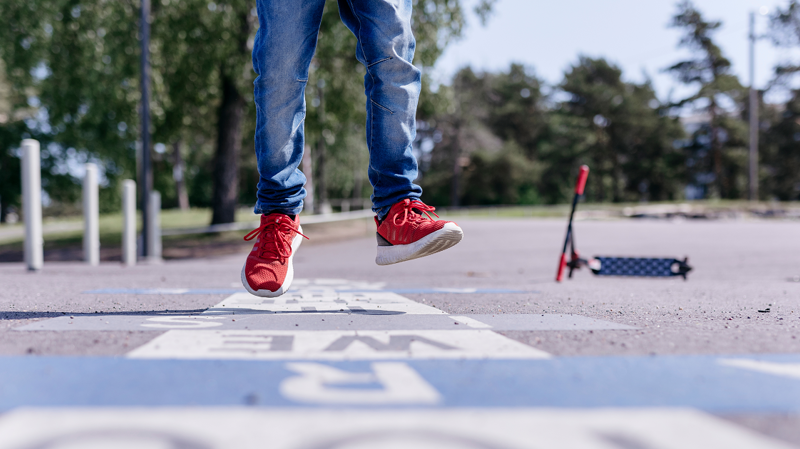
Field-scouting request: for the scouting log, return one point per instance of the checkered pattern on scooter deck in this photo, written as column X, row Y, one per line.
column 636, row 266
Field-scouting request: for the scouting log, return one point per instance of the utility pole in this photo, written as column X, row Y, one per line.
column 146, row 170
column 753, row 166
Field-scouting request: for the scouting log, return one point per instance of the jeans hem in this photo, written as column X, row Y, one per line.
column 262, row 209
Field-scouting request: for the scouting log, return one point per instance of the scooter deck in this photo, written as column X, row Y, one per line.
column 639, row 266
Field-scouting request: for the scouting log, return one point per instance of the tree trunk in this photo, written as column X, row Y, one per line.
column 323, row 206
column 455, row 187
column 455, row 182
column 308, row 170
column 358, row 180
column 179, row 175
column 226, row 159
column 617, row 178
column 716, row 151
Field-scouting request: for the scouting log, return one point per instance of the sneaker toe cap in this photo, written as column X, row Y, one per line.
column 263, row 276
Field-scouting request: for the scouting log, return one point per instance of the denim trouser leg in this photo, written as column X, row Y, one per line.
column 392, row 84
column 283, row 49
column 282, row 53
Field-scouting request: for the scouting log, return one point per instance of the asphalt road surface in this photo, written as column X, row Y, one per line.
column 476, row 347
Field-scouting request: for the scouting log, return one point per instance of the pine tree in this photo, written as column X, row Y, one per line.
column 718, row 146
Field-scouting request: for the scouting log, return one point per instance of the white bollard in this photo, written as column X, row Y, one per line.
column 91, row 217
column 128, row 222
column 32, row 204
column 154, row 227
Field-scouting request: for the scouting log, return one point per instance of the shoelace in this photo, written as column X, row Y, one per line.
column 410, row 215
column 282, row 230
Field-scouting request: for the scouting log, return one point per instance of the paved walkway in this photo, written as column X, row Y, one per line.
column 476, row 347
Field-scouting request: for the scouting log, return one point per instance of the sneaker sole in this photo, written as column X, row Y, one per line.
column 433, row 243
column 287, row 282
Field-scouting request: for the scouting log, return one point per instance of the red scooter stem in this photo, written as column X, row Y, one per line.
column 561, row 266
column 579, row 187
column 582, row 175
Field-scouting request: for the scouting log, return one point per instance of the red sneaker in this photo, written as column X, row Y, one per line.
column 407, row 234
column 268, row 269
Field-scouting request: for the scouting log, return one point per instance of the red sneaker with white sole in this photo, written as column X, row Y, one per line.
column 268, row 269
column 409, row 232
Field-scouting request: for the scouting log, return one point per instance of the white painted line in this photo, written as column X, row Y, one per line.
column 250, row 428
column 471, row 322
column 334, row 345
column 305, row 301
column 307, row 296
column 330, row 307
column 341, row 284
column 778, row 369
column 456, row 290
column 322, row 384
column 182, row 322
column 167, row 291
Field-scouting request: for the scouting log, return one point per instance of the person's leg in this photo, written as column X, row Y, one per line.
column 392, row 84
column 282, row 52
column 386, row 44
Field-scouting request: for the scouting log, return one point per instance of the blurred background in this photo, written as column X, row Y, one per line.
column 653, row 96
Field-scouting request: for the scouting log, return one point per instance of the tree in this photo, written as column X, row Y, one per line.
column 11, row 129
column 718, row 146
column 459, row 129
column 621, row 131
column 477, row 113
column 779, row 152
column 201, row 91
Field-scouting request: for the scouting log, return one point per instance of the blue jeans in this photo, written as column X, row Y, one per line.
column 282, row 53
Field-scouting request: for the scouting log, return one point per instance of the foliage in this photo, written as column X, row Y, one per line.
column 718, row 147
column 516, row 145
column 72, row 67
column 479, row 112
column 779, row 151
column 69, row 77
column 503, row 177
column 626, row 139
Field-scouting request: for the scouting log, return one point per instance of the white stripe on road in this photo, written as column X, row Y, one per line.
column 778, row 369
column 335, row 345
column 471, row 322
column 250, row 428
column 304, row 301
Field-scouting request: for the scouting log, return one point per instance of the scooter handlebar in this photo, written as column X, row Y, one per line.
column 581, row 184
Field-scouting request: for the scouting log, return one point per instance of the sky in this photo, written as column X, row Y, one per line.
column 548, row 36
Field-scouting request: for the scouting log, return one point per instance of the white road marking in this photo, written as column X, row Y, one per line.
column 456, row 290
column 340, row 284
column 330, row 307
column 183, row 322
column 335, row 345
column 168, row 291
column 304, row 301
column 376, row 297
column 250, row 428
column 778, row 369
column 471, row 322
column 322, row 384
